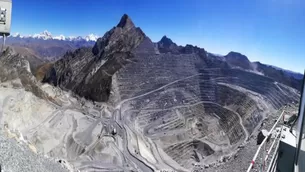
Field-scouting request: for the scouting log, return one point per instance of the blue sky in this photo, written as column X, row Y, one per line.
column 270, row 31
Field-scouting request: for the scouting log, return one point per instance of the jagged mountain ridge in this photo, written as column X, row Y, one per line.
column 165, row 45
column 288, row 73
column 95, row 71
column 235, row 59
column 241, row 61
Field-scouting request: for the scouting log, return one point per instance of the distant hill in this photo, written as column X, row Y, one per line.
column 292, row 79
column 290, row 73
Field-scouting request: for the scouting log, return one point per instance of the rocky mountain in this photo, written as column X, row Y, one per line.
column 172, row 106
column 166, row 45
column 280, row 75
column 289, row 73
column 93, row 70
column 238, row 60
column 241, row 61
column 14, row 68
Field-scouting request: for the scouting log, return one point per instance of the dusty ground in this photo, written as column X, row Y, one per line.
column 17, row 157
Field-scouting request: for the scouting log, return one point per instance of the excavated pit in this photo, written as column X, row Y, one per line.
column 153, row 111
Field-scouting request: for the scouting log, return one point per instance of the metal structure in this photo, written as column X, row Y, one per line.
column 266, row 152
column 5, row 19
column 299, row 159
column 286, row 150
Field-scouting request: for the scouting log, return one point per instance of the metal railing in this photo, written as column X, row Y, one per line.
column 266, row 148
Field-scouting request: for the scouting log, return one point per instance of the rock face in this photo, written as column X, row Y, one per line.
column 181, row 105
column 167, row 45
column 89, row 74
column 240, row 60
column 278, row 75
column 261, row 136
column 16, row 69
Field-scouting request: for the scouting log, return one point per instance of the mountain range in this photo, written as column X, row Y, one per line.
column 44, row 47
column 46, row 35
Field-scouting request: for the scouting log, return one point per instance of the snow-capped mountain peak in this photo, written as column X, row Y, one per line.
column 91, row 37
column 60, row 37
column 79, row 38
column 17, row 35
column 43, row 35
column 46, row 35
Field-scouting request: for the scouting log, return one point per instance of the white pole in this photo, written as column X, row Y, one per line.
column 3, row 45
column 264, row 152
column 4, row 38
column 260, row 146
column 274, row 141
column 273, row 157
column 2, row 48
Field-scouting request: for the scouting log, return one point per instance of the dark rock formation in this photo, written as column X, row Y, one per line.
column 190, row 49
column 238, row 60
column 234, row 59
column 278, row 75
column 261, row 136
column 166, row 45
column 123, row 38
column 89, row 74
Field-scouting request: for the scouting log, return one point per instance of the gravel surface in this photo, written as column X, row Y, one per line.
column 17, row 157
